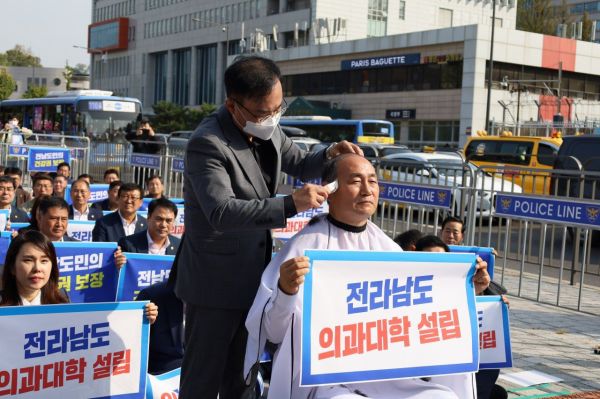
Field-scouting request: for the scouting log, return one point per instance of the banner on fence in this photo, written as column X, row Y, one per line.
column 384, row 315
column 145, row 161
column 494, row 333
column 87, row 270
column 46, row 159
column 414, row 194
column 141, row 271
column 163, row 386
column 74, row 351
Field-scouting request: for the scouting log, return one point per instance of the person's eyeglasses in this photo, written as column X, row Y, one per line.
column 129, row 198
column 261, row 118
column 6, row 189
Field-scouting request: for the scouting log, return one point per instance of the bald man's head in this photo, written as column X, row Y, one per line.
column 358, row 190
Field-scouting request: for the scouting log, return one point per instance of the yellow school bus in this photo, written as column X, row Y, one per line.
column 513, row 154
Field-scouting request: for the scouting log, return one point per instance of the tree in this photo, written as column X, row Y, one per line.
column 79, row 69
column 19, row 56
column 586, row 29
column 170, row 117
column 537, row 16
column 35, row 92
column 7, row 84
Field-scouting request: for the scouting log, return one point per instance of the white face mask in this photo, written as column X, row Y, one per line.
column 265, row 129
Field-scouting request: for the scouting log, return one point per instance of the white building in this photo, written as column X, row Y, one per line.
column 174, row 50
column 51, row 78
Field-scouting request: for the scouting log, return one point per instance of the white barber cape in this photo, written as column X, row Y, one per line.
column 282, row 325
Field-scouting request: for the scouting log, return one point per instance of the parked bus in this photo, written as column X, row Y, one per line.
column 354, row 130
column 77, row 113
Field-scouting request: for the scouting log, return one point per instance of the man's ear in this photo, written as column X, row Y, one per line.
column 230, row 104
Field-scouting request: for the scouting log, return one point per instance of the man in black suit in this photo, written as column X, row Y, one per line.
column 112, row 202
column 166, row 334
column 124, row 222
column 53, row 218
column 80, row 195
column 8, row 188
column 156, row 239
column 233, row 165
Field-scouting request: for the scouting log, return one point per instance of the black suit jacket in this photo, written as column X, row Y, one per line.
column 110, row 228
column 138, row 243
column 94, row 214
column 166, row 334
column 103, row 205
column 66, row 238
column 18, row 215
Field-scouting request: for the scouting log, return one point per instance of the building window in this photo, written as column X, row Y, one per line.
column 181, row 76
column 377, row 18
column 445, row 18
column 498, row 22
column 160, row 77
column 402, row 10
column 206, row 70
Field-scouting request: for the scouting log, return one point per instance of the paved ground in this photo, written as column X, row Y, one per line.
column 554, row 340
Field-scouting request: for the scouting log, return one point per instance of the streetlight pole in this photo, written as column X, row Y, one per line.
column 491, row 69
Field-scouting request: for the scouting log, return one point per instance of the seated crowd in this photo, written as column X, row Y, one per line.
column 31, row 272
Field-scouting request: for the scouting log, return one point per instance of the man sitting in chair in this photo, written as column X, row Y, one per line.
column 276, row 314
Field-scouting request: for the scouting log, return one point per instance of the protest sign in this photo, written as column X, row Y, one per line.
column 494, row 333
column 74, row 351
column 4, row 218
column 485, row 253
column 371, row 316
column 81, row 229
column 47, row 159
column 179, row 227
column 5, row 238
column 298, row 221
column 141, row 271
column 163, row 386
column 87, row 270
column 98, row 192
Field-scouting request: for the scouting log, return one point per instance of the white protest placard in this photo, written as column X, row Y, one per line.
column 4, row 217
column 298, row 221
column 371, row 316
column 494, row 333
column 179, row 226
column 163, row 386
column 74, row 351
column 81, row 229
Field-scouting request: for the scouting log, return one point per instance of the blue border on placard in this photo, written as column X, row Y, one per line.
column 161, row 377
column 134, row 255
column 92, row 307
column 80, row 244
column 505, row 328
column 372, row 375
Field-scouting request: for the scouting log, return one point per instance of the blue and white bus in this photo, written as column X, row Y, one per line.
column 77, row 113
column 354, row 130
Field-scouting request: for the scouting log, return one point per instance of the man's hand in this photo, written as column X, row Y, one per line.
column 344, row 147
column 481, row 279
column 291, row 274
column 120, row 258
column 309, row 196
column 7, row 228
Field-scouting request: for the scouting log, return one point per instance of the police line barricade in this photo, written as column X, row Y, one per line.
column 141, row 271
column 74, row 350
column 495, row 350
column 109, row 154
column 537, row 214
column 174, row 166
column 163, row 386
column 43, row 153
column 412, row 314
column 87, row 270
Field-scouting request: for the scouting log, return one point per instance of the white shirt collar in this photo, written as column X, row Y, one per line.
column 128, row 227
column 154, row 248
column 81, row 215
column 36, row 301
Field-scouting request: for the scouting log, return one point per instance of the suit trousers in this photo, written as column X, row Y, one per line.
column 215, row 346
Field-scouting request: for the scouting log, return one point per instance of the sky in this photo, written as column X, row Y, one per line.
column 49, row 28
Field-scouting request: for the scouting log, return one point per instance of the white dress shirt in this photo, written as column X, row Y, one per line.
column 154, row 249
column 128, row 227
column 81, row 215
column 36, row 301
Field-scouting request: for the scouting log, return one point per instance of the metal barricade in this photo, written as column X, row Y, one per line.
column 173, row 170
column 18, row 155
column 551, row 261
column 109, row 154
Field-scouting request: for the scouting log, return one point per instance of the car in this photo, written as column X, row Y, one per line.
column 306, row 143
column 448, row 170
column 512, row 157
column 577, row 168
column 291, row 131
column 374, row 152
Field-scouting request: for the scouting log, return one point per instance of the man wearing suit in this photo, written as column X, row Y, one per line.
column 8, row 189
column 112, row 202
column 156, row 239
column 53, row 218
column 125, row 221
column 80, row 195
column 232, row 170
